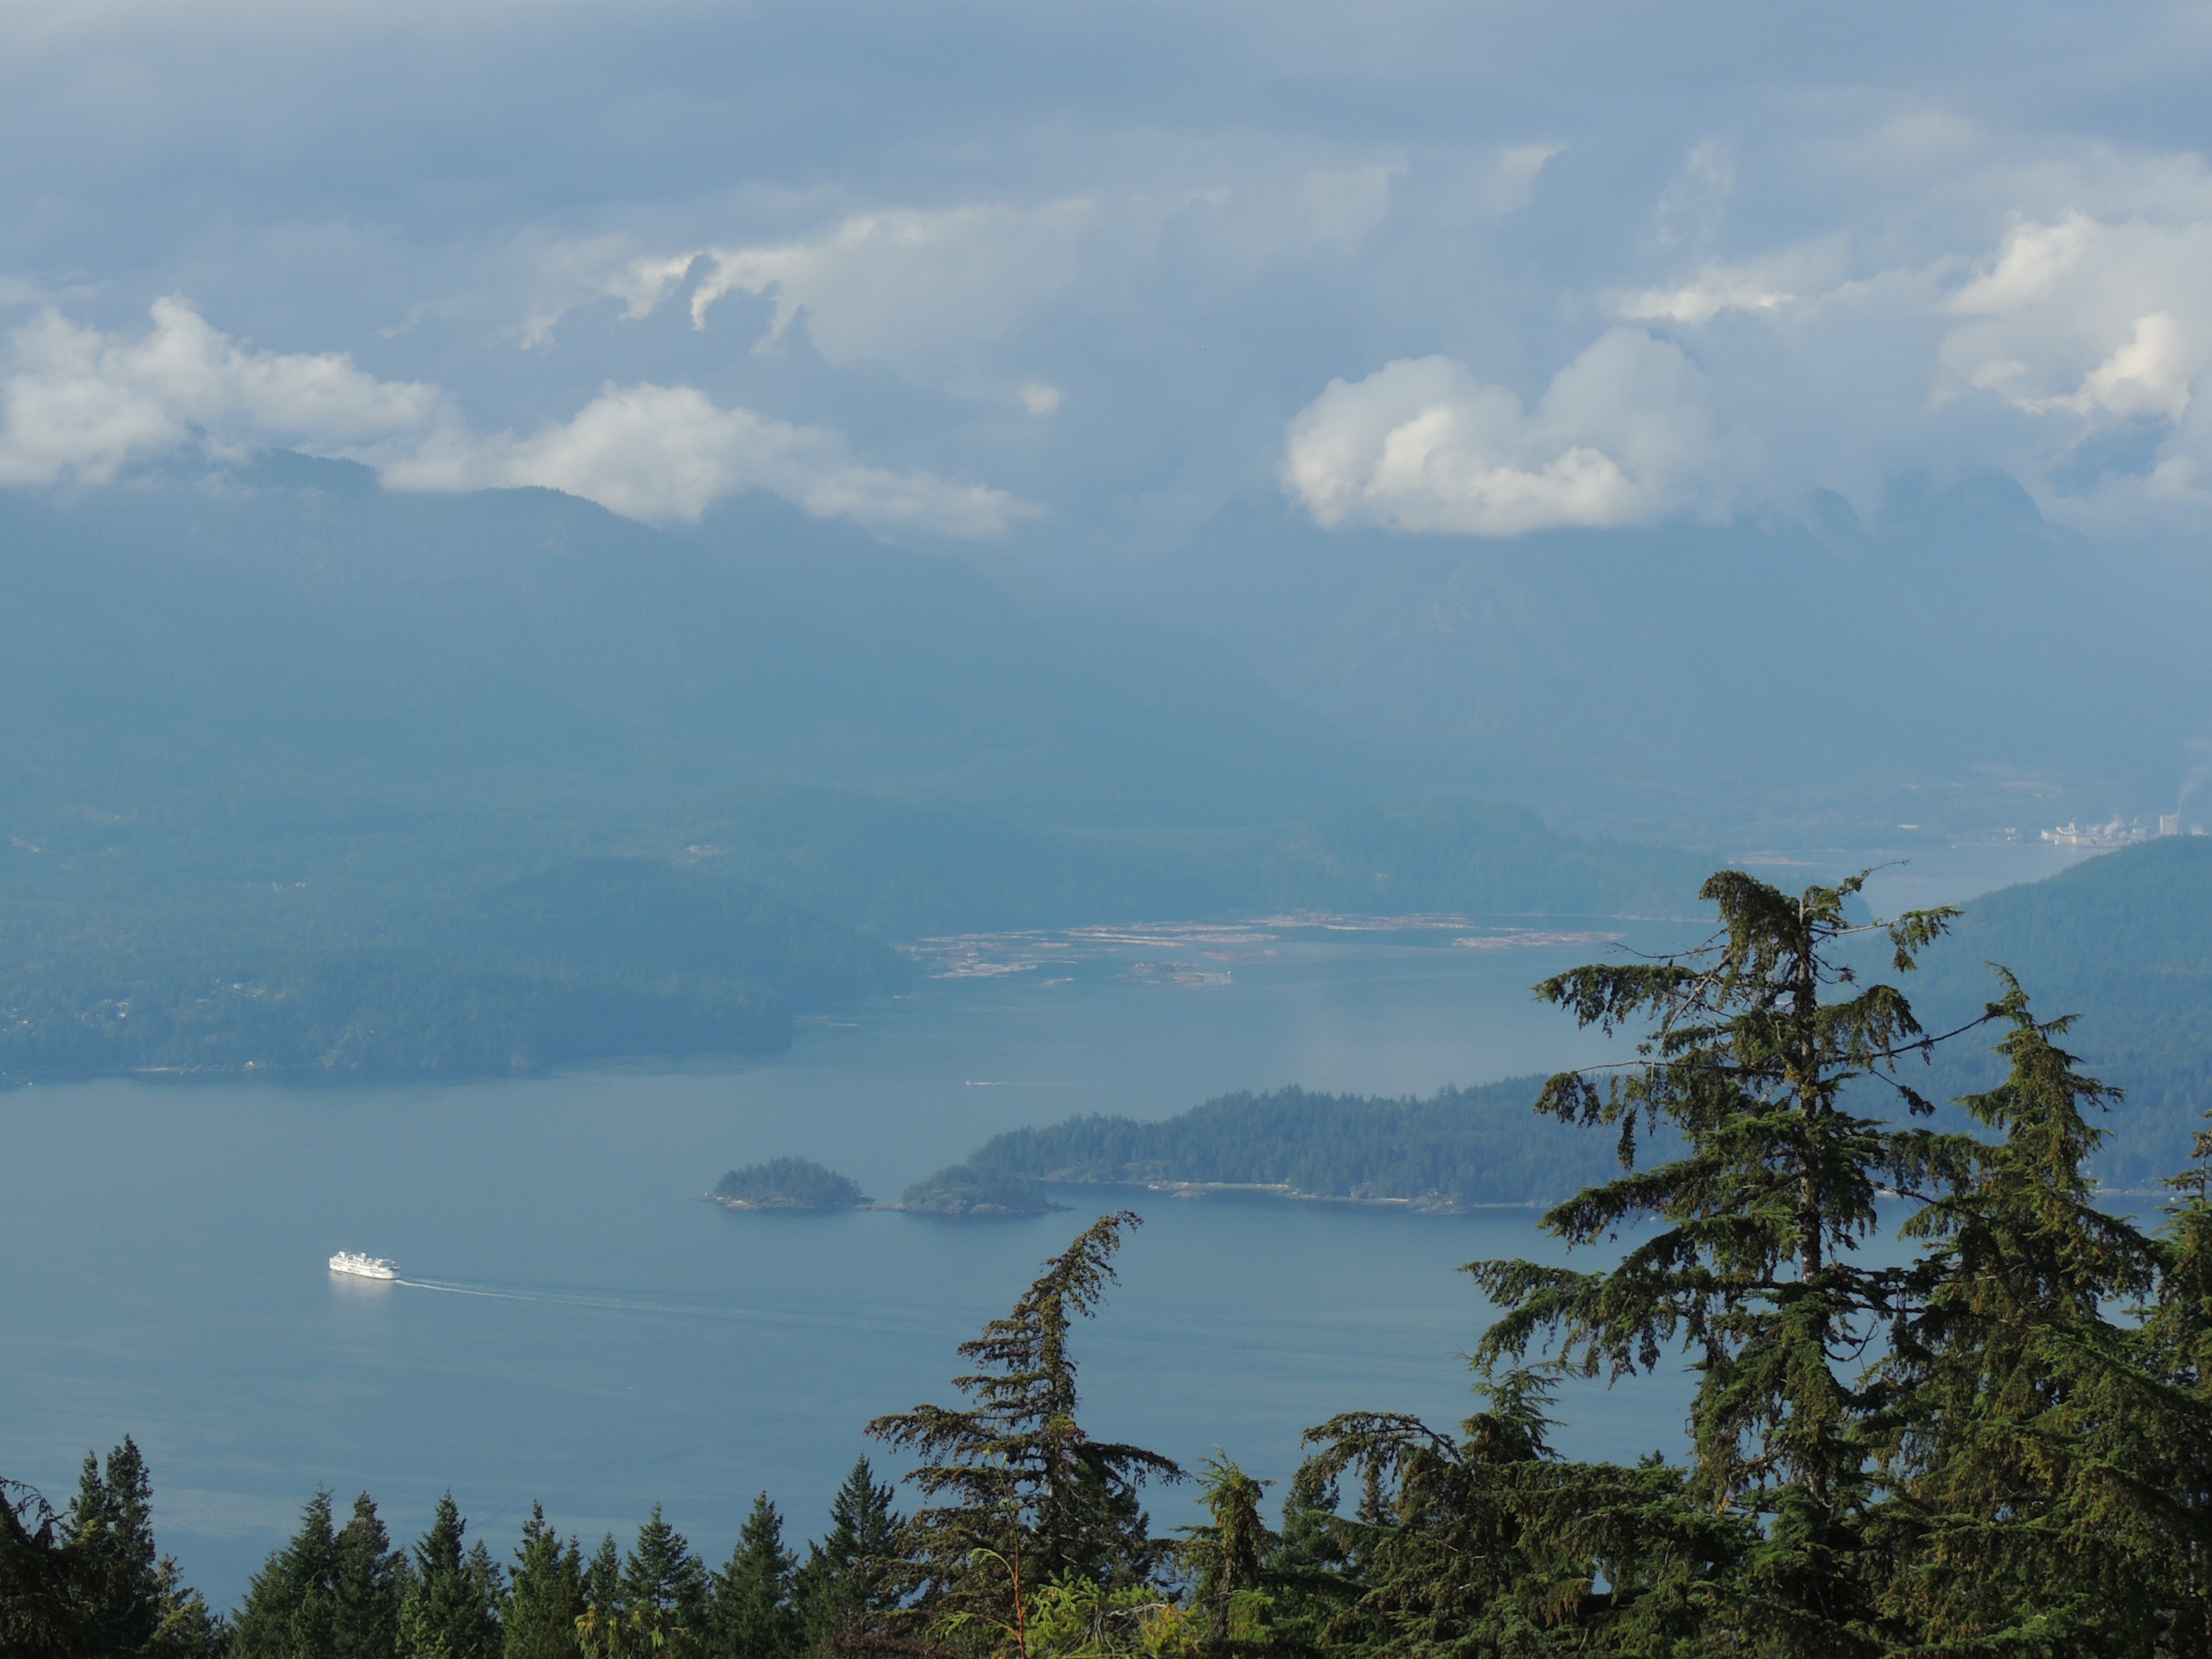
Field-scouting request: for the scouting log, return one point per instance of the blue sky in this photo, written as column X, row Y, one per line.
column 1078, row 274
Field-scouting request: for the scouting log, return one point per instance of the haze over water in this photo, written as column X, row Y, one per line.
column 575, row 1329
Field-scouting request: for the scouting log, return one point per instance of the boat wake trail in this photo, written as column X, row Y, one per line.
column 868, row 1317
column 564, row 1299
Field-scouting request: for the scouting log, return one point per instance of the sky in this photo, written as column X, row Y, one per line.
column 1078, row 275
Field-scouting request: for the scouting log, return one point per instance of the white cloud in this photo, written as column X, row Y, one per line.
column 2074, row 315
column 77, row 403
column 600, row 268
column 663, row 453
column 880, row 285
column 934, row 288
column 1041, row 399
column 80, row 403
column 1719, row 288
column 1619, row 437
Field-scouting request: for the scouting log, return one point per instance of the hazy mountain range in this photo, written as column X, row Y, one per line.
column 1955, row 662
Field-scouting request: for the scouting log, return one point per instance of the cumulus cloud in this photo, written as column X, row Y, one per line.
column 663, row 453
column 1619, row 437
column 2046, row 314
column 79, row 404
column 2081, row 317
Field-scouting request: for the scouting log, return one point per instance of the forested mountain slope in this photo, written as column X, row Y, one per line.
column 301, row 632
column 284, row 749
column 2124, row 942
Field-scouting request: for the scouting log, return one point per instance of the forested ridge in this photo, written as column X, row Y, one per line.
column 382, row 948
column 1997, row 1442
column 594, row 958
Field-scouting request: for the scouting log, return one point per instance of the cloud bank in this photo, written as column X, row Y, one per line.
column 1460, row 270
column 80, row 405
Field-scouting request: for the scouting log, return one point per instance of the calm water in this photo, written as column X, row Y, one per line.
column 583, row 1332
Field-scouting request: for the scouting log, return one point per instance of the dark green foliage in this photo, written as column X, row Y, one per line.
column 962, row 1190
column 1229, row 1558
column 291, row 1609
column 1460, row 1146
column 91, row 1582
column 2029, row 1507
column 371, row 1577
column 850, row 1578
column 41, row 1614
column 545, row 1594
column 603, row 1583
column 663, row 1587
column 1751, row 1266
column 751, row 1614
column 1490, row 1544
column 450, row 1607
column 2177, row 1344
column 788, row 1183
column 1020, row 1496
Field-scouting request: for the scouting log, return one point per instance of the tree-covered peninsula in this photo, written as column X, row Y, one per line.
column 1457, row 1149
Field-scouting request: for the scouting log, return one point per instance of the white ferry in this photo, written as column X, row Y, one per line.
column 363, row 1267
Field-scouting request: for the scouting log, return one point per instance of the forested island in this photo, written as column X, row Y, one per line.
column 788, row 1183
column 1992, row 1435
column 964, row 1190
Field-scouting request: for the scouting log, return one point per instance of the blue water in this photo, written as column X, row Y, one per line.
column 577, row 1329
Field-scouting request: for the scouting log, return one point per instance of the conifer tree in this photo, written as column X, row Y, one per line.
column 1752, row 1267
column 131, row 1595
column 664, row 1590
column 291, row 1606
column 2024, row 1509
column 850, row 1577
column 1311, row 1569
column 2178, row 1333
column 42, row 1615
column 108, row 1534
column 450, row 1609
column 545, row 1594
column 368, row 1578
column 600, row 1627
column 751, row 1613
column 1024, row 1496
column 1230, row 1555
column 1489, row 1543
